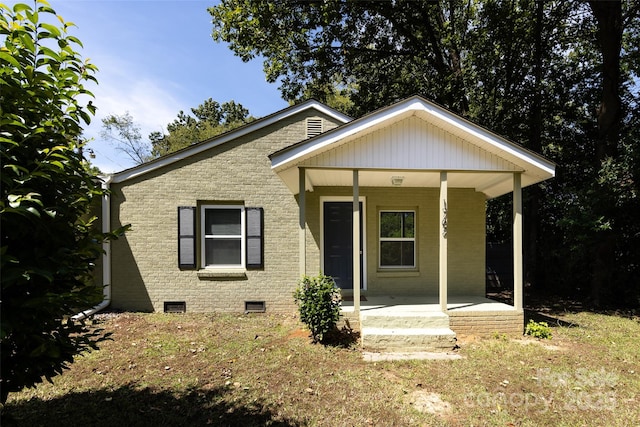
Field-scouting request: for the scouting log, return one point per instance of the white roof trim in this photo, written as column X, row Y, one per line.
column 290, row 157
column 226, row 137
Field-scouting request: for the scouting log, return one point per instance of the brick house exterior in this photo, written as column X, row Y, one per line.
column 223, row 223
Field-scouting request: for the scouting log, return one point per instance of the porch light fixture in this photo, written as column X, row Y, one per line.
column 397, row 180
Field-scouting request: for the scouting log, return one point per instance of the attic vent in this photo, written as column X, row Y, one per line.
column 254, row 307
column 175, row 307
column 314, row 127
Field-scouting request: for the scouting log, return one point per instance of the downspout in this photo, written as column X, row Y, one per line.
column 106, row 256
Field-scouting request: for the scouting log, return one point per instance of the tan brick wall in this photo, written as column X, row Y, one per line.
column 486, row 323
column 145, row 273
column 145, row 270
column 466, row 239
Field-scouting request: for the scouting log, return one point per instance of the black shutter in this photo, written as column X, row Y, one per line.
column 255, row 231
column 186, row 237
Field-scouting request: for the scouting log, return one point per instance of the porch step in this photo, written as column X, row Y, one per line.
column 400, row 320
column 407, row 339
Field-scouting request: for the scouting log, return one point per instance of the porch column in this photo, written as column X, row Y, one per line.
column 443, row 285
column 302, row 234
column 517, row 241
column 356, row 243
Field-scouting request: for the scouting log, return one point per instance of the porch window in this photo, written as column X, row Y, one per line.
column 397, row 239
column 223, row 237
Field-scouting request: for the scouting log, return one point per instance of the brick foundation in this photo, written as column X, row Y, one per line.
column 483, row 323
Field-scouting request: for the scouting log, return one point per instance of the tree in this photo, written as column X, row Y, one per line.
column 532, row 71
column 49, row 243
column 209, row 119
column 390, row 50
column 123, row 130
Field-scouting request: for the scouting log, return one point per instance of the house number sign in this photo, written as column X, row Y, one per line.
column 444, row 219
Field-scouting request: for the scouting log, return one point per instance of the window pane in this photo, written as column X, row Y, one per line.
column 408, row 224
column 390, row 224
column 222, row 222
column 390, row 253
column 222, row 252
column 407, row 254
column 396, row 254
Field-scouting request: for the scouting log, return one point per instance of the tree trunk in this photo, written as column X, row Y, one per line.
column 533, row 194
column 608, row 15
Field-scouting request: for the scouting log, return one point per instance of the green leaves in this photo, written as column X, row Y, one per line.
column 48, row 244
column 319, row 302
column 52, row 31
column 10, row 59
column 211, row 119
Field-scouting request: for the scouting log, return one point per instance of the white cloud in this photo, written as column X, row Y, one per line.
column 124, row 88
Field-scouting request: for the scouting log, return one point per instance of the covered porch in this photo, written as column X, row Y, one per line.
column 420, row 160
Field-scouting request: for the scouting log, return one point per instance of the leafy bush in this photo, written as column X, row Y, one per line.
column 538, row 329
column 49, row 238
column 318, row 300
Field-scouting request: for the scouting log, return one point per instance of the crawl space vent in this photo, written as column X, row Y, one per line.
column 314, row 127
column 175, row 307
column 254, row 307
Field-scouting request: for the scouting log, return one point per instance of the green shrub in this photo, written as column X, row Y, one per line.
column 318, row 300
column 538, row 329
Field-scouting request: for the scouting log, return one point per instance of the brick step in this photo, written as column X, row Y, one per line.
column 407, row 339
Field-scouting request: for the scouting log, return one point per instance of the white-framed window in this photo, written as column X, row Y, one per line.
column 223, row 236
column 397, row 244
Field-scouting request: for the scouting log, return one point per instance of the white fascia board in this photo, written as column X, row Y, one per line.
column 489, row 137
column 232, row 135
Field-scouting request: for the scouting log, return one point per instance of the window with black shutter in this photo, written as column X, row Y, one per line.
column 231, row 237
column 186, row 237
column 255, row 230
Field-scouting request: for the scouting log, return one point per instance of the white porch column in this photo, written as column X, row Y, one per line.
column 517, row 241
column 442, row 207
column 356, row 243
column 302, row 234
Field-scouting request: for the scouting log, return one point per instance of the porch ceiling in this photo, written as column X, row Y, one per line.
column 492, row 184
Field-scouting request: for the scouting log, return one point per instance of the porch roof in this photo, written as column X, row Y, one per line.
column 413, row 139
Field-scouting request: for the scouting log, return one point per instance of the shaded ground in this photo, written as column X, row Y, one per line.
column 144, row 407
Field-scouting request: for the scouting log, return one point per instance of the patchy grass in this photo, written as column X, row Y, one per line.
column 262, row 370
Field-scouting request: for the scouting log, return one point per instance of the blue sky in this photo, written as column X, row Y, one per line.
column 155, row 58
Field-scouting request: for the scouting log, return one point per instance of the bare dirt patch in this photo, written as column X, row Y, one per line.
column 299, row 334
column 428, row 402
column 544, row 344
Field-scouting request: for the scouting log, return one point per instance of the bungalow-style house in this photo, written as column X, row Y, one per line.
column 391, row 205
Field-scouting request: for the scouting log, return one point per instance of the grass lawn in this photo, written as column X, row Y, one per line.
column 239, row 370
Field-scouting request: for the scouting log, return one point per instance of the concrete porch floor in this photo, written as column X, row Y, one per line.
column 416, row 305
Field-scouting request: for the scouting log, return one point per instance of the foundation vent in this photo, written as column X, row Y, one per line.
column 175, row 307
column 254, row 307
column 315, row 127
